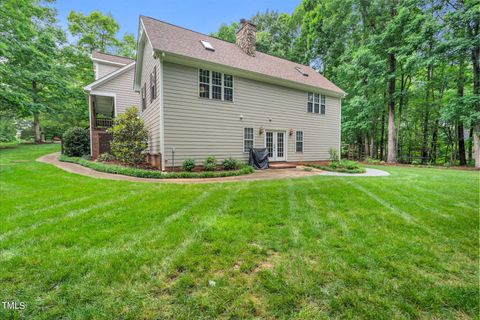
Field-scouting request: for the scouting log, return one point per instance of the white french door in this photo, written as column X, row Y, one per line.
column 275, row 143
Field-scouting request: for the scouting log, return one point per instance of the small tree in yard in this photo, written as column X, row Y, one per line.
column 130, row 137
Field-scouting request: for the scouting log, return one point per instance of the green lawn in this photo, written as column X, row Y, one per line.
column 73, row 247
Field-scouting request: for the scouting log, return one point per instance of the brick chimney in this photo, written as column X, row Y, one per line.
column 246, row 37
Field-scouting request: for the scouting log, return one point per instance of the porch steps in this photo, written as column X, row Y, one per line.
column 282, row 165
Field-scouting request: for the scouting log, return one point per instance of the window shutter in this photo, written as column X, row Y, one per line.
column 155, row 82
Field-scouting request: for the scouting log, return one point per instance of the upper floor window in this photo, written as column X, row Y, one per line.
column 215, row 85
column 153, row 84
column 316, row 103
column 322, row 105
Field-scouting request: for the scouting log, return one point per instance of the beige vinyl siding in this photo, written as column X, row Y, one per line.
column 199, row 127
column 151, row 115
column 104, row 69
column 122, row 87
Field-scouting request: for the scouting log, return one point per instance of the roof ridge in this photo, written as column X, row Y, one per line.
column 203, row 34
column 113, row 55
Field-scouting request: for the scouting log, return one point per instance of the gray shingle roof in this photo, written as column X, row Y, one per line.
column 111, row 57
column 177, row 40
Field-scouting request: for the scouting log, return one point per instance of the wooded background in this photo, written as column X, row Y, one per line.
column 411, row 69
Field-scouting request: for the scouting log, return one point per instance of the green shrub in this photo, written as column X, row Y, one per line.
column 76, row 142
column 188, row 165
column 129, row 138
column 333, row 154
column 209, row 163
column 104, row 157
column 415, row 162
column 345, row 166
column 230, row 164
column 143, row 173
column 372, row 160
column 8, row 129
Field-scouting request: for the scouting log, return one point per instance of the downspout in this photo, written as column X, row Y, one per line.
column 162, row 119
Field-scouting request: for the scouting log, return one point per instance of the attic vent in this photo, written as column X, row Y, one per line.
column 301, row 71
column 207, row 45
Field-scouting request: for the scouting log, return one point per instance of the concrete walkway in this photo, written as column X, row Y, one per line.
column 270, row 174
column 370, row 173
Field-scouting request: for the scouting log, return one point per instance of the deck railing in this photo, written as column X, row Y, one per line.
column 103, row 123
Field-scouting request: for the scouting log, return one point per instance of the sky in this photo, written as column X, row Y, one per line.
column 204, row 16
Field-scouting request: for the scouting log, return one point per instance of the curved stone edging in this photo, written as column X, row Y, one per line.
column 369, row 173
column 256, row 176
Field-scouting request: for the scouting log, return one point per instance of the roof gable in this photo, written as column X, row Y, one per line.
column 169, row 38
column 109, row 77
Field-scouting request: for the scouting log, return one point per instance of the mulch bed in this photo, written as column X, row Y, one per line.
column 419, row 166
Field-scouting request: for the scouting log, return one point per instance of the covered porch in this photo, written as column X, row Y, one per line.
column 102, row 114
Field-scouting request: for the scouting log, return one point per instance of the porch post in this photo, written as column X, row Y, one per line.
column 91, row 118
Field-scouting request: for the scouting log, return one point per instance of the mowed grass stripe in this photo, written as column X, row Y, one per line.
column 352, row 258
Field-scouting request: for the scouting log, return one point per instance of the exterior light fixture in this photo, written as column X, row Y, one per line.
column 290, row 132
column 261, row 131
column 241, row 117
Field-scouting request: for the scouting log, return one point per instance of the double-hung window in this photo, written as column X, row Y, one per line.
column 247, row 139
column 204, row 80
column 299, row 141
column 228, row 87
column 322, row 105
column 215, row 85
column 153, row 84
column 316, row 103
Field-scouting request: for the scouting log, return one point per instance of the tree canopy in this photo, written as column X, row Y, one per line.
column 410, row 68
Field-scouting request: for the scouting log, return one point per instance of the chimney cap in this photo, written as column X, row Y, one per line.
column 244, row 21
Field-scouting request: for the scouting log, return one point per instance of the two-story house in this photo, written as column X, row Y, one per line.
column 202, row 96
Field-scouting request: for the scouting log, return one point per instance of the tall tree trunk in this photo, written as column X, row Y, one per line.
column 433, row 154
column 461, row 144
column 382, row 141
column 392, row 149
column 366, row 146
column 399, row 116
column 460, row 86
column 372, row 144
column 470, row 145
column 476, row 89
column 36, row 127
column 36, row 115
column 476, row 144
column 426, row 116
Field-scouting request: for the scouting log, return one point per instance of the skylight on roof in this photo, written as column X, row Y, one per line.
column 207, row 45
column 301, row 71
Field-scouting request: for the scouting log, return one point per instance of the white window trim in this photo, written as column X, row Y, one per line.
column 319, row 103
column 302, row 141
column 210, row 86
column 253, row 138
